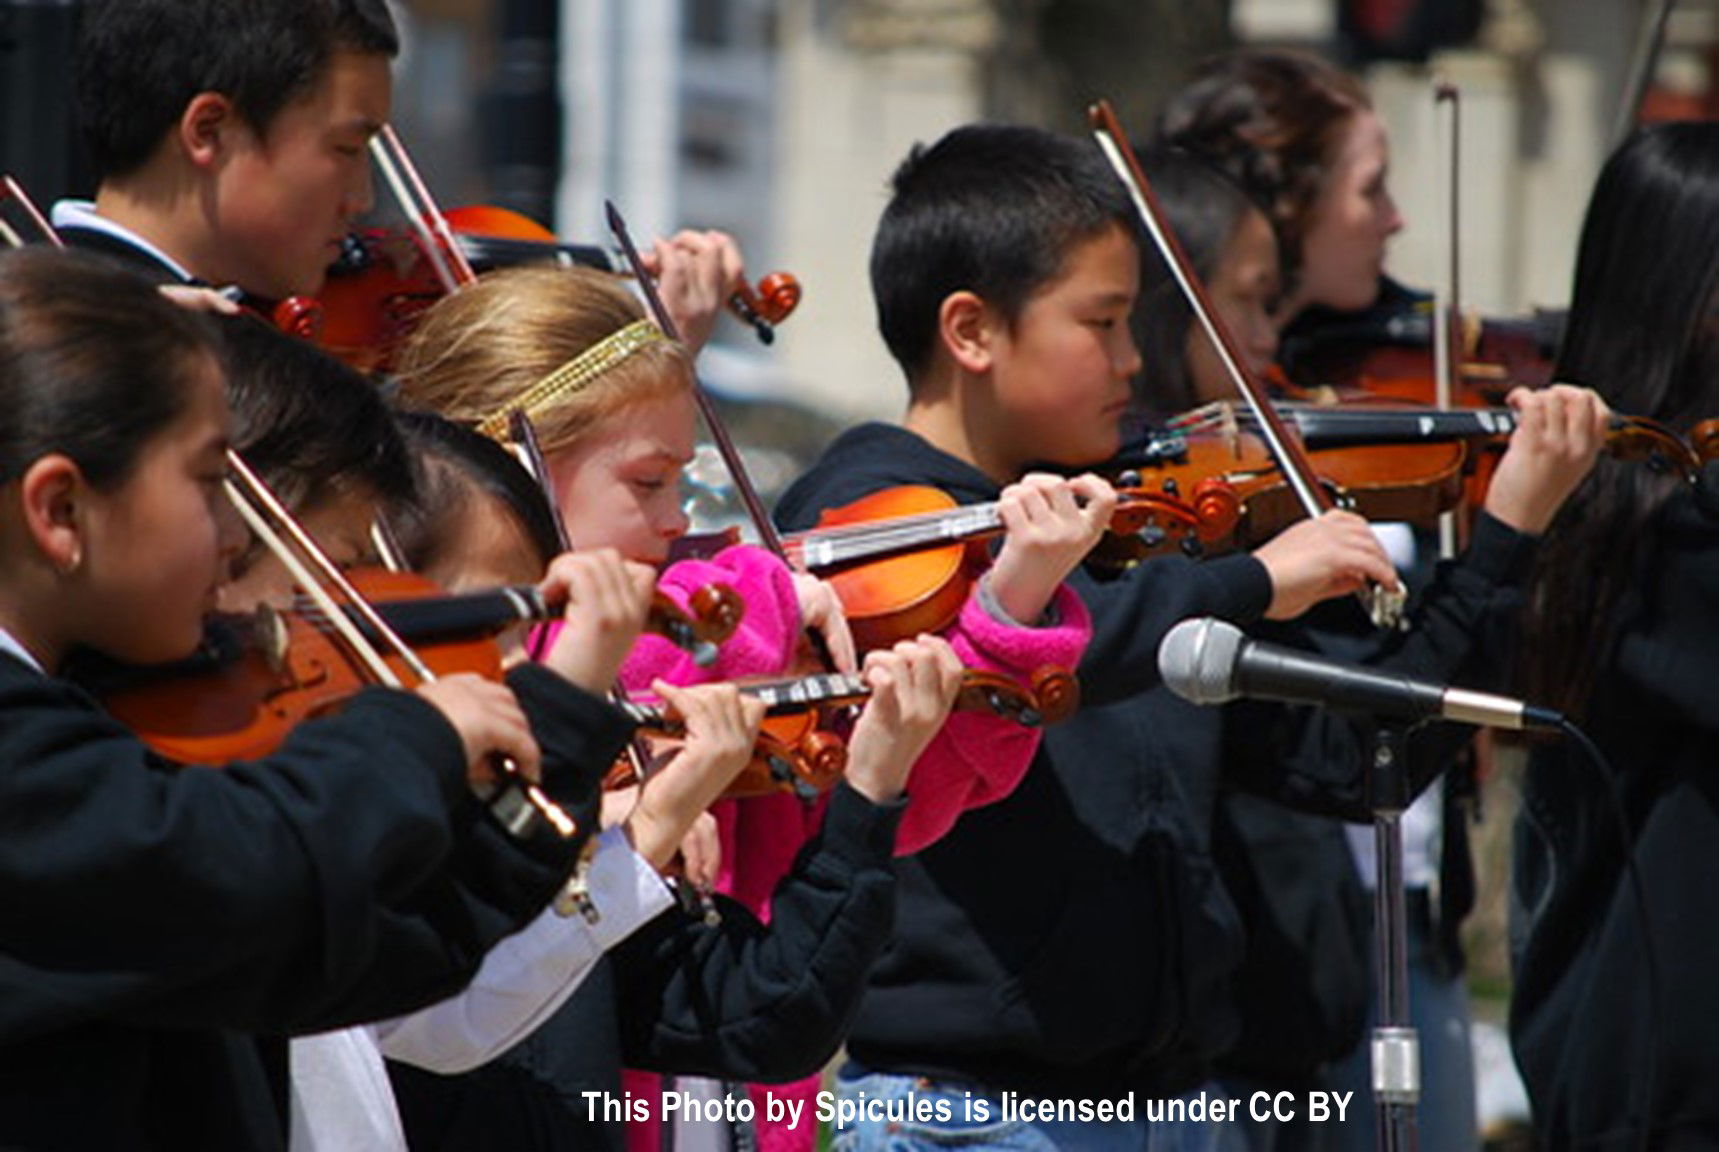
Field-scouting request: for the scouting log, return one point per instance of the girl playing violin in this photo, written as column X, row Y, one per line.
column 324, row 441
column 160, row 919
column 1614, row 945
column 1302, row 138
column 689, row 994
column 1290, row 873
column 613, row 406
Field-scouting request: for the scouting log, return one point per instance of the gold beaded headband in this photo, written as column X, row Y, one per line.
column 576, row 373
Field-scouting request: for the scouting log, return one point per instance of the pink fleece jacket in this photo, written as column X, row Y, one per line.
column 976, row 759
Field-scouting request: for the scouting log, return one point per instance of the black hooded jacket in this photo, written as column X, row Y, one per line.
column 1073, row 939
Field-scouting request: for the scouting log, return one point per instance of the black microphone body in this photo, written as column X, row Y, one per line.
column 1265, row 672
column 1207, row 661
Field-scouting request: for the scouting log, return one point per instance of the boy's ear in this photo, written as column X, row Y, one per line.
column 205, row 124
column 965, row 327
column 50, row 494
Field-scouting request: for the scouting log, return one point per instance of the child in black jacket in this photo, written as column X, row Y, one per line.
column 1071, row 941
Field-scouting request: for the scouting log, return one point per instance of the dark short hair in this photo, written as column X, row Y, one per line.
column 140, row 62
column 310, row 426
column 454, row 461
column 990, row 209
column 94, row 362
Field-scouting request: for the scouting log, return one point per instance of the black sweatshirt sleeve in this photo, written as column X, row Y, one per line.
column 249, row 897
column 579, row 735
column 1462, row 632
column 742, row 1000
column 494, row 880
column 1131, row 614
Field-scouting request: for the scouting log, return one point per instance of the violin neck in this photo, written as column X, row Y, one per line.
column 825, row 549
column 500, row 252
column 1337, row 427
column 779, row 696
column 464, row 613
column 980, row 692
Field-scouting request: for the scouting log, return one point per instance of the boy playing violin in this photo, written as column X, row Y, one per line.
column 231, row 141
column 1071, row 941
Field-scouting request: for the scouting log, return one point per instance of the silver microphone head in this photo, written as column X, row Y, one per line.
column 1197, row 660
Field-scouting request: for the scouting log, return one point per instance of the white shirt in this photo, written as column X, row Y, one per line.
column 9, row 644
column 341, row 1099
column 83, row 214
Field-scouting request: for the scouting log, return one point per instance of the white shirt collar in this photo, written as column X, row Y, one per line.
column 83, row 214
column 9, row 644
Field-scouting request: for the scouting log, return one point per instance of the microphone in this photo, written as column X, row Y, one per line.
column 1207, row 661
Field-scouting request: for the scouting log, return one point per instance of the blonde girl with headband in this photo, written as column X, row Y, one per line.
column 613, row 406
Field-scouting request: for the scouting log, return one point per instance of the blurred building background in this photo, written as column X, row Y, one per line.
column 780, row 121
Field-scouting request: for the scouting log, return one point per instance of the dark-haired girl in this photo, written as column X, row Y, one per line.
column 1612, row 1012
column 159, row 919
column 1302, row 989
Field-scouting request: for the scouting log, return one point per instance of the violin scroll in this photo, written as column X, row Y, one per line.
column 710, row 618
column 1053, row 697
column 776, row 296
column 1639, row 438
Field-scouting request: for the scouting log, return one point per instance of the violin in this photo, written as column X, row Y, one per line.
column 418, row 610
column 240, row 701
column 903, row 560
column 1384, row 462
column 1413, row 481
column 284, row 656
column 1389, row 353
column 493, row 237
column 384, row 279
column 796, row 753
column 1384, row 606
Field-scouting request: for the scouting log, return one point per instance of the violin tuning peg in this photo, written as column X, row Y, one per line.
column 1152, row 534
column 1171, row 488
column 1192, row 547
column 1128, row 478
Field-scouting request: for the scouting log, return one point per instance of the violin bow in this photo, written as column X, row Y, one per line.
column 693, row 899
column 317, row 575
column 1641, row 68
column 423, row 214
column 1447, row 308
column 767, row 534
column 11, row 190
column 1384, row 606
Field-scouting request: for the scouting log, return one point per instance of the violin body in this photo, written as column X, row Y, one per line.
column 258, row 677
column 1414, row 482
column 893, row 597
column 1389, row 352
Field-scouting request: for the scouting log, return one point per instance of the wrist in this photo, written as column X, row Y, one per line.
column 650, row 837
column 1020, row 598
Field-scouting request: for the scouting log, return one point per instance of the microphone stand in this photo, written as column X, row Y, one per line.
column 1396, row 1053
